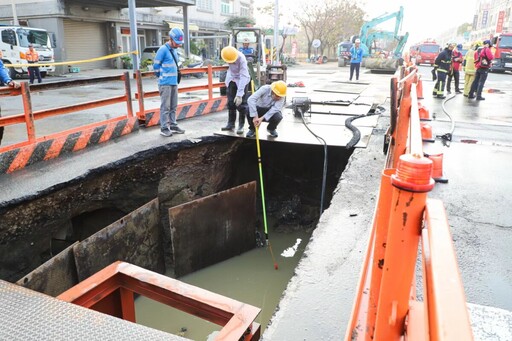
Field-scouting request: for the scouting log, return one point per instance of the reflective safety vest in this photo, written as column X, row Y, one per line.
column 32, row 56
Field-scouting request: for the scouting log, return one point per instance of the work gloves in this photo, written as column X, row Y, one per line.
column 238, row 101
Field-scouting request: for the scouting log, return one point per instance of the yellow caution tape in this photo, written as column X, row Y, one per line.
column 110, row 56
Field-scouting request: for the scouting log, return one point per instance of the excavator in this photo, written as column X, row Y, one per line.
column 374, row 59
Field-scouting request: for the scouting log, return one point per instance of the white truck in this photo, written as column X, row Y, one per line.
column 14, row 44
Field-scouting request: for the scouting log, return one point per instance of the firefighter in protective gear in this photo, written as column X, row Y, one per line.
column 483, row 62
column 469, row 67
column 442, row 65
column 33, row 57
column 457, row 59
column 266, row 105
column 237, row 84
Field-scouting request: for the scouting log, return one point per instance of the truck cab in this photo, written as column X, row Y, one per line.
column 427, row 53
column 502, row 50
column 14, row 41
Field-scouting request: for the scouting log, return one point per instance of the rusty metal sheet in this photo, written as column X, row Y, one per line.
column 54, row 276
column 135, row 239
column 292, row 130
column 214, row 228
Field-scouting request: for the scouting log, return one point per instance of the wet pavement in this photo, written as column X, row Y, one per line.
column 319, row 298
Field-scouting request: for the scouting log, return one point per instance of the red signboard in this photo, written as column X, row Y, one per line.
column 499, row 24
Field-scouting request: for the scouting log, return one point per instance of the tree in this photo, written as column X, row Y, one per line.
column 239, row 22
column 329, row 22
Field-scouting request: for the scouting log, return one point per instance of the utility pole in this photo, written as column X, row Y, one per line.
column 14, row 16
column 276, row 30
column 133, row 34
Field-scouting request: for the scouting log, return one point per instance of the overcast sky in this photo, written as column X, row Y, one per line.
column 422, row 20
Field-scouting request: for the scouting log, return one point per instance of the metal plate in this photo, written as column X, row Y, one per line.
column 29, row 315
column 214, row 228
column 55, row 276
column 292, row 130
column 135, row 239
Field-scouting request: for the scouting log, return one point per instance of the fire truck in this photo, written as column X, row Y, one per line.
column 427, row 52
column 502, row 49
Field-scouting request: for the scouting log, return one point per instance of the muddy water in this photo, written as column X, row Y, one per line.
column 249, row 278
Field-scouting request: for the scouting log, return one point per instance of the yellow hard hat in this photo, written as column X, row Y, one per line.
column 229, row 54
column 279, row 88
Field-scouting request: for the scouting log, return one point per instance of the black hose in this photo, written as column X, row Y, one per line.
column 356, row 134
column 324, row 175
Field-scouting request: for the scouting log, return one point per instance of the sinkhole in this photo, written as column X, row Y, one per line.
column 131, row 211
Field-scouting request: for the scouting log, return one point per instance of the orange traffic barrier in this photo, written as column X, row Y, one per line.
column 426, row 132
column 385, row 307
column 151, row 117
column 19, row 155
column 424, row 113
column 437, row 169
column 420, row 89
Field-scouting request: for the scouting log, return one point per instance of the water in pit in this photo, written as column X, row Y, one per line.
column 249, row 278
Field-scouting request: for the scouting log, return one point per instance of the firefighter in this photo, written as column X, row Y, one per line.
column 32, row 58
column 483, row 60
column 457, row 59
column 237, row 83
column 442, row 65
column 469, row 67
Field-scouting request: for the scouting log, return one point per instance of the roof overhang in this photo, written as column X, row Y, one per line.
column 138, row 3
column 191, row 27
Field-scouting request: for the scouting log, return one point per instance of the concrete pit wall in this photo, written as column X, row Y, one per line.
column 175, row 174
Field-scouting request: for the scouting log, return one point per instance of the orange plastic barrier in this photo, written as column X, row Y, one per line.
column 385, row 307
column 19, row 155
column 212, row 104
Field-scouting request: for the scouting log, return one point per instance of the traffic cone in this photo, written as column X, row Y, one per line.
column 419, row 89
column 437, row 167
column 426, row 132
column 424, row 112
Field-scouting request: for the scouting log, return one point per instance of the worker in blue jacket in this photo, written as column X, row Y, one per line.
column 356, row 57
column 165, row 66
column 5, row 79
column 442, row 65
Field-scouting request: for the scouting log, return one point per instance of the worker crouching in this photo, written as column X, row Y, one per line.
column 237, row 84
column 266, row 105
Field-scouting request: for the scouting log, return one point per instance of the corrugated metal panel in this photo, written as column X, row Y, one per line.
column 86, row 40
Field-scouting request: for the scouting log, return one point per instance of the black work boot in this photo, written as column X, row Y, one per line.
column 231, row 121
column 241, row 122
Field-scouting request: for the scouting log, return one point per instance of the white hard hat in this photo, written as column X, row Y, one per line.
column 358, row 41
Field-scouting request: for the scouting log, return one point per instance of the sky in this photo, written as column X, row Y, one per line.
column 422, row 20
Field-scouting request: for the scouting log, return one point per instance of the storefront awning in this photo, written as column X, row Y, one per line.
column 191, row 27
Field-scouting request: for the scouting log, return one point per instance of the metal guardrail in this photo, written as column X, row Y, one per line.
column 385, row 307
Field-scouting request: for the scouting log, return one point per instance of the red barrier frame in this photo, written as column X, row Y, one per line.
column 112, row 290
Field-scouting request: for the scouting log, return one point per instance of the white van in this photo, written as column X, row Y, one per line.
column 14, row 44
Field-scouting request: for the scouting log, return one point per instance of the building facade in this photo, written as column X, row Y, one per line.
column 87, row 30
column 492, row 17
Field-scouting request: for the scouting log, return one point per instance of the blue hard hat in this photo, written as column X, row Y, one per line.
column 459, row 46
column 176, row 34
